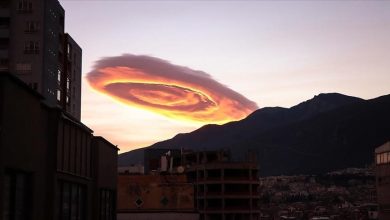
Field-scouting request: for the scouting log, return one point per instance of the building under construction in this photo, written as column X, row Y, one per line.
column 223, row 189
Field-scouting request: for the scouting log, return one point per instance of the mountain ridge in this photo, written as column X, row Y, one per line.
column 273, row 131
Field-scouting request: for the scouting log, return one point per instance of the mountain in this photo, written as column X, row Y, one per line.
column 328, row 132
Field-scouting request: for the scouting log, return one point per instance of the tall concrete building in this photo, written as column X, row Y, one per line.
column 35, row 47
column 224, row 189
column 52, row 167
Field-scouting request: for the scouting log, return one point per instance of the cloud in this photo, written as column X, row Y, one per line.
column 175, row 91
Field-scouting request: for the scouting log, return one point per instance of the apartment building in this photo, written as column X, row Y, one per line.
column 35, row 47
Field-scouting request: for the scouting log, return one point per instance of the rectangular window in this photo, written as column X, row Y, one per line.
column 72, row 201
column 4, row 43
column 67, row 84
column 24, row 6
column 31, row 26
column 69, row 51
column 59, row 75
column 4, row 22
column 106, row 204
column 4, row 64
column 23, row 68
column 31, row 47
column 17, row 195
column 58, row 95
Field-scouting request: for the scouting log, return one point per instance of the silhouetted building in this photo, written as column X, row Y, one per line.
column 34, row 47
column 382, row 155
column 223, row 189
column 163, row 197
column 51, row 165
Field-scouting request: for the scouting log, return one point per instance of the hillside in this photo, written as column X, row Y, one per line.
column 328, row 132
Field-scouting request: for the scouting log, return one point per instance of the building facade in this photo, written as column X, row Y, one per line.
column 51, row 165
column 382, row 171
column 35, row 47
column 223, row 189
column 155, row 196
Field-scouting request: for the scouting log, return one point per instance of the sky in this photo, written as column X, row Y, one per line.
column 270, row 53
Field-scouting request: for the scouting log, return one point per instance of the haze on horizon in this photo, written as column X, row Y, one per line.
column 273, row 53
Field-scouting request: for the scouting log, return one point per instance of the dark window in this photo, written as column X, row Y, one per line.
column 16, row 196
column 4, row 43
column 32, row 26
column 107, row 204
column 24, row 6
column 31, row 47
column 72, row 201
column 4, row 64
column 4, row 23
column 4, row 3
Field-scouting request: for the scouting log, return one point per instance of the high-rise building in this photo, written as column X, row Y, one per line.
column 35, row 47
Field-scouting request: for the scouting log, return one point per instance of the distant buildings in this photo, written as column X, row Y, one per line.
column 133, row 169
column 34, row 47
column 382, row 158
column 51, row 165
column 206, row 182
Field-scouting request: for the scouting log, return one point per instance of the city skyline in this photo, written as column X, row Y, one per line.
column 273, row 53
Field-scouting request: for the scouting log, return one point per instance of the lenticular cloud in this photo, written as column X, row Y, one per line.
column 174, row 91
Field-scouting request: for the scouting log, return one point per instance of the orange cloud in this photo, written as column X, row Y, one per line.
column 174, row 91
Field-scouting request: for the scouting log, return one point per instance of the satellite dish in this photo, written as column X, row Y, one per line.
column 180, row 169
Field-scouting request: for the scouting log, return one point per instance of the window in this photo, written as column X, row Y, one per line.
column 22, row 68
column 4, row 23
column 69, row 51
column 16, row 196
column 106, row 204
column 71, row 201
column 58, row 95
column 25, row 6
column 31, row 26
column 4, row 43
column 383, row 158
column 4, row 64
column 67, row 84
column 31, row 47
column 59, row 75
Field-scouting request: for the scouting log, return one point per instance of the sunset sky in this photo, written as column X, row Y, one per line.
column 270, row 53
